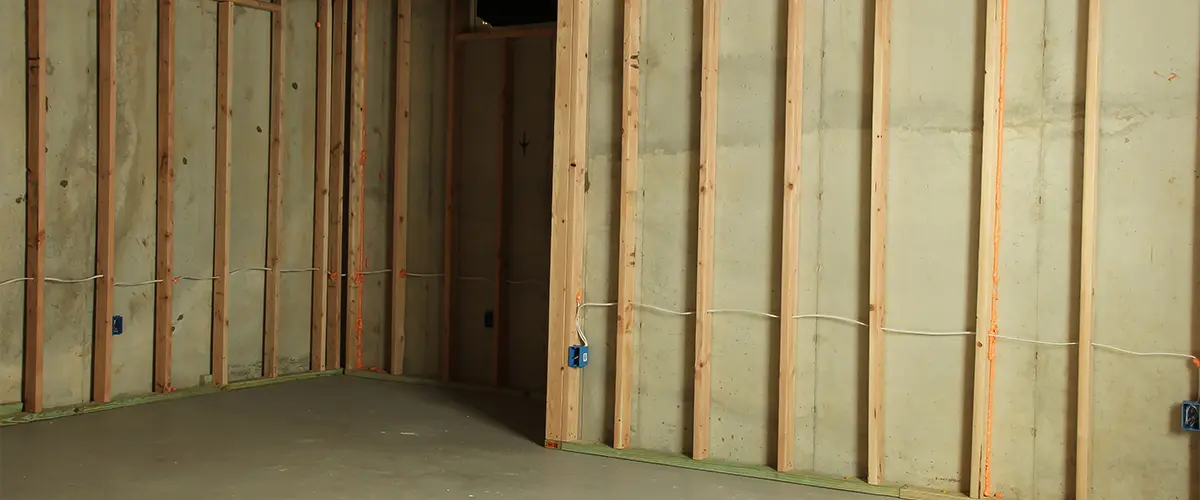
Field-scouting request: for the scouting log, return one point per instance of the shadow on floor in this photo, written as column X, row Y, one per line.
column 523, row 415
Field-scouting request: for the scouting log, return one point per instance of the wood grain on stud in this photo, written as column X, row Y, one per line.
column 792, row 149
column 880, row 103
column 165, row 212
column 627, row 274
column 35, row 189
column 400, row 166
column 220, row 318
column 705, row 232
column 106, row 159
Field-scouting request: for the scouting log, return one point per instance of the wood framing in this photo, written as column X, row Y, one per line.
column 989, row 241
column 316, row 347
column 452, row 27
column 35, row 189
column 106, row 143
column 578, row 197
column 503, row 214
column 337, row 173
column 358, row 159
column 630, row 183
column 165, row 211
column 568, row 217
column 792, row 148
column 1087, row 260
column 706, row 236
column 560, row 297
column 506, row 33
column 274, row 204
column 400, row 164
column 880, row 105
column 220, row 318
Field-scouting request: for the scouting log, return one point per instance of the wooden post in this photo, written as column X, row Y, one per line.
column 452, row 25
column 337, row 172
column 503, row 215
column 627, row 275
column 316, row 346
column 274, row 203
column 568, row 216
column 106, row 160
column 561, row 297
column 578, row 198
column 989, row 241
column 792, row 149
column 705, row 232
column 400, row 164
column 35, row 189
column 220, row 319
column 1087, row 260
column 165, row 249
column 358, row 157
column 879, row 179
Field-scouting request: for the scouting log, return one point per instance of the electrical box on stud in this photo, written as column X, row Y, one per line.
column 1190, row 415
column 577, row 356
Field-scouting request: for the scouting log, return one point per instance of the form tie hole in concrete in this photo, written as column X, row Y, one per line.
column 259, row 129
column 294, row 86
column 185, row 160
column 64, row 183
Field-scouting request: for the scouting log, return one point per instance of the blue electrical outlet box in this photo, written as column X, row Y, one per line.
column 1190, row 415
column 577, row 356
column 118, row 325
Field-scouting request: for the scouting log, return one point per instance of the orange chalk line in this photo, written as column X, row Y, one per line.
column 993, row 324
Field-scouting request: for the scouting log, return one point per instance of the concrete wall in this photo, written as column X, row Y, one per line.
column 1146, row 276
column 70, row 205
column 478, row 178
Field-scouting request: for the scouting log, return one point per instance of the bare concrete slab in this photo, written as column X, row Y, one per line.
column 335, row 438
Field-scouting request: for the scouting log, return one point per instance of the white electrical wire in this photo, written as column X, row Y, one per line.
column 743, row 311
column 579, row 328
column 82, row 280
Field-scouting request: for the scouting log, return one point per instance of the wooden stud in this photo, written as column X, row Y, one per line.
column 506, row 33
column 400, row 165
column 358, row 158
column 165, row 249
column 1087, row 260
column 316, row 346
column 337, row 173
column 702, row 401
column 35, row 189
column 792, row 149
column 452, row 26
column 503, row 215
column 880, row 105
column 578, row 199
column 989, row 224
column 106, row 160
column 561, row 297
column 627, row 275
column 274, row 204
column 220, row 318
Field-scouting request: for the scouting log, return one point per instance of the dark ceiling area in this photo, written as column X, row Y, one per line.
column 517, row 12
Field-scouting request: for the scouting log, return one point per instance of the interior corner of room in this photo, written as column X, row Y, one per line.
column 924, row 250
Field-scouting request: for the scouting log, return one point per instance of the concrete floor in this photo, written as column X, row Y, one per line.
column 335, row 438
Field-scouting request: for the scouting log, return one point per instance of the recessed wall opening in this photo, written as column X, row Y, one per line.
column 503, row 13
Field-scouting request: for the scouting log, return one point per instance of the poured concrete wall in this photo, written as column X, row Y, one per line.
column 70, row 204
column 476, row 219
column 1145, row 267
